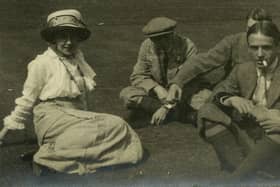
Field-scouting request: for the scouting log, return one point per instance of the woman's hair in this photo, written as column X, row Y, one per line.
column 259, row 14
column 266, row 28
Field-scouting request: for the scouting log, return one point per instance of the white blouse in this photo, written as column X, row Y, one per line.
column 48, row 78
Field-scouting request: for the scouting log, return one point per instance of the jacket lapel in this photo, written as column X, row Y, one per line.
column 274, row 89
column 155, row 61
column 248, row 79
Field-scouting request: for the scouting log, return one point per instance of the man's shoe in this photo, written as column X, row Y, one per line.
column 27, row 156
column 137, row 118
column 191, row 117
column 39, row 170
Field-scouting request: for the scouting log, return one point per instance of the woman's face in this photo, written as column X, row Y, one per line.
column 66, row 43
column 262, row 48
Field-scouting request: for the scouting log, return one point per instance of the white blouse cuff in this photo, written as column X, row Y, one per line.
column 12, row 124
column 90, row 83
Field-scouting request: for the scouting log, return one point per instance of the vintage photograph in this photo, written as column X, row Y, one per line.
column 139, row 93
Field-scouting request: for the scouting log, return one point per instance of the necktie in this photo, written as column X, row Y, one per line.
column 164, row 67
column 260, row 92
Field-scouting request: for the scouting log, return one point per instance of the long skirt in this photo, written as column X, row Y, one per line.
column 77, row 141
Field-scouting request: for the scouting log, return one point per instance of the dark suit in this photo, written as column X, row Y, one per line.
column 261, row 147
column 243, row 80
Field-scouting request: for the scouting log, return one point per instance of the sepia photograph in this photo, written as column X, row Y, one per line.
column 150, row 93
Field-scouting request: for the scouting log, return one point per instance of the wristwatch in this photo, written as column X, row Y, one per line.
column 169, row 106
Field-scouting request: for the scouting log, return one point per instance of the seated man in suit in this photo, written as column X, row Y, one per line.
column 231, row 50
column 160, row 57
column 247, row 105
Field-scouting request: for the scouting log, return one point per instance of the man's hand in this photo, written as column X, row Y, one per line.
column 160, row 92
column 260, row 113
column 270, row 121
column 244, row 106
column 271, row 126
column 159, row 116
column 174, row 94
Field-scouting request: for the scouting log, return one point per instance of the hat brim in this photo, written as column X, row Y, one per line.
column 49, row 33
column 159, row 33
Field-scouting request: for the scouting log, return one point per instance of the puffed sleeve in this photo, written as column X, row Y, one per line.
column 31, row 91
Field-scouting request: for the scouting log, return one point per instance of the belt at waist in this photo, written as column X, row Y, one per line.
column 69, row 99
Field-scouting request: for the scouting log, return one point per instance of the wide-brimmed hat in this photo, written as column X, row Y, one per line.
column 159, row 26
column 65, row 20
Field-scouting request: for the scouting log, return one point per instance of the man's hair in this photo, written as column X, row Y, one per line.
column 259, row 14
column 266, row 28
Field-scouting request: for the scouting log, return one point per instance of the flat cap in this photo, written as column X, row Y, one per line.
column 159, row 26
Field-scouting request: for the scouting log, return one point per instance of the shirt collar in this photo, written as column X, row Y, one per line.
column 84, row 67
column 51, row 53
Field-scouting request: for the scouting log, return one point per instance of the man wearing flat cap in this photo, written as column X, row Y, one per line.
column 160, row 57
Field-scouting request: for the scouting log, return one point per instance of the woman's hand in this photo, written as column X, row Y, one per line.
column 159, row 116
column 174, row 94
column 243, row 105
column 3, row 133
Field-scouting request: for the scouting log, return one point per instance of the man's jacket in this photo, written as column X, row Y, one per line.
column 148, row 71
column 242, row 82
column 228, row 52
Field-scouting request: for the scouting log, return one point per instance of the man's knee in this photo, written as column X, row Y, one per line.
column 131, row 96
column 199, row 99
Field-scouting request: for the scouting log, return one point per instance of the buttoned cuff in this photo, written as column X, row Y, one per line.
column 219, row 98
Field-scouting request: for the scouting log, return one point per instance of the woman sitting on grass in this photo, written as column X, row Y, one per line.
column 71, row 139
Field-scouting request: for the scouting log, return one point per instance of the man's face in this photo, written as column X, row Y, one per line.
column 262, row 48
column 66, row 43
column 162, row 41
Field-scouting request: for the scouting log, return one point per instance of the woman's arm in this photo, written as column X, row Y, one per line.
column 24, row 104
column 3, row 133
